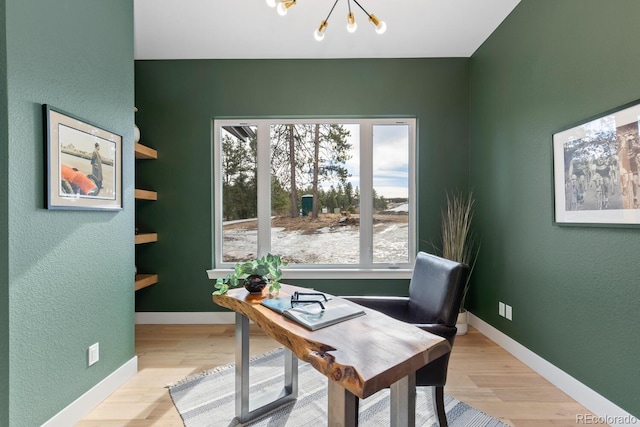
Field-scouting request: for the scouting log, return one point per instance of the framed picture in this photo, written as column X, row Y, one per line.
column 84, row 163
column 596, row 166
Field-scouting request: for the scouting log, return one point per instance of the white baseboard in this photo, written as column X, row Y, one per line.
column 80, row 407
column 185, row 318
column 607, row 411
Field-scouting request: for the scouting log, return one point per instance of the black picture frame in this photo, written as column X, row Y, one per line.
column 596, row 165
column 83, row 163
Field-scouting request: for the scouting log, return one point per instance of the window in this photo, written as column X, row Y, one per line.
column 323, row 194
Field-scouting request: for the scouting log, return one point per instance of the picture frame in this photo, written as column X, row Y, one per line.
column 83, row 163
column 596, row 165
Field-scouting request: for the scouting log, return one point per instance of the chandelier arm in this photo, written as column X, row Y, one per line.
column 367, row 13
column 331, row 11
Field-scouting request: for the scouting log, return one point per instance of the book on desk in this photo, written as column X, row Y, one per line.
column 314, row 316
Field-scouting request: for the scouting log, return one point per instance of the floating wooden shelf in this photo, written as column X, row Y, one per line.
column 146, row 195
column 144, row 152
column 144, row 280
column 146, row 238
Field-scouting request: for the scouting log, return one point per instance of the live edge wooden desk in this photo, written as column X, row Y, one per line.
column 360, row 357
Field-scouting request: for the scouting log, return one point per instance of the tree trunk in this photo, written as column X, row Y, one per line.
column 292, row 163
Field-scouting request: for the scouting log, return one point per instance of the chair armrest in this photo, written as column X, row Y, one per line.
column 396, row 307
column 448, row 332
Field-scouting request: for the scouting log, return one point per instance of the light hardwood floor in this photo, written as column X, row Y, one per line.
column 480, row 373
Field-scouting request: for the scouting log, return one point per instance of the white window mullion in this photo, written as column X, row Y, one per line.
column 366, row 193
column 413, row 191
column 216, row 185
column 264, row 188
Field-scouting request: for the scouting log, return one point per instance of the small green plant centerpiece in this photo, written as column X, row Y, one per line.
column 254, row 275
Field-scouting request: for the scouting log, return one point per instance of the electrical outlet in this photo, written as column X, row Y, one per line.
column 94, row 353
column 508, row 312
column 501, row 309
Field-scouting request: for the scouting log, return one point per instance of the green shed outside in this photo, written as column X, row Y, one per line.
column 307, row 204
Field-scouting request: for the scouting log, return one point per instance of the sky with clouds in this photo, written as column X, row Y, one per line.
column 390, row 159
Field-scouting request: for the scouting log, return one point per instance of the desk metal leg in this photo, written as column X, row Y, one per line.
column 245, row 410
column 403, row 402
column 342, row 406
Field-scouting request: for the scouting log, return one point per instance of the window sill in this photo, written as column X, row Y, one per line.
column 325, row 273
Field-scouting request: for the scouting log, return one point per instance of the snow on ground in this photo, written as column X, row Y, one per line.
column 401, row 208
column 335, row 245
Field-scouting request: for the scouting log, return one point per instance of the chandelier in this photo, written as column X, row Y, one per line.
column 282, row 6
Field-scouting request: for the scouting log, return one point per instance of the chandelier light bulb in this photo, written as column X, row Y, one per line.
column 284, row 5
column 271, row 3
column 381, row 27
column 352, row 26
column 319, row 33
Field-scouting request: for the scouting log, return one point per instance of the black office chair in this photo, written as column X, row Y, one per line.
column 435, row 295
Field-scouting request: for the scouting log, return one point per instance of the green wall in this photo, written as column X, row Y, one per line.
column 70, row 273
column 574, row 290
column 4, row 241
column 177, row 101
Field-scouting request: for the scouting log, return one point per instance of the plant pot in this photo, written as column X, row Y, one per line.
column 461, row 323
column 255, row 284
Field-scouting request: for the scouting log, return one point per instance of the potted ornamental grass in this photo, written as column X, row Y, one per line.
column 254, row 275
column 458, row 242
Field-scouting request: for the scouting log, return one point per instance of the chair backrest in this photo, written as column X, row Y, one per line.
column 436, row 289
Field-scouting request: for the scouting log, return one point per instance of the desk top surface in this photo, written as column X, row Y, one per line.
column 364, row 354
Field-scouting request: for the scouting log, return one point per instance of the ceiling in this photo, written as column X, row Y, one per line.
column 237, row 29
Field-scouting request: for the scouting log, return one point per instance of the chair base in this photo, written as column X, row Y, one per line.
column 438, row 405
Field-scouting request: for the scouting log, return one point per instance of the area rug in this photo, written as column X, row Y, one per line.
column 208, row 399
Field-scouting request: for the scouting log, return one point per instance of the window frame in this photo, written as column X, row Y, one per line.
column 366, row 268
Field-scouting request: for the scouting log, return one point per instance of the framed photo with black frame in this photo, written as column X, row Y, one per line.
column 83, row 163
column 596, row 164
